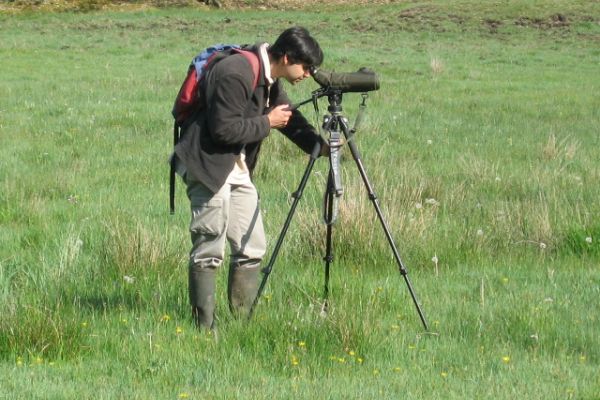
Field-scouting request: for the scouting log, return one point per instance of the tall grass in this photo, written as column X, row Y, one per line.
column 482, row 149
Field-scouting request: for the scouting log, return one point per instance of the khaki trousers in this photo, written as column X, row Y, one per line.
column 230, row 215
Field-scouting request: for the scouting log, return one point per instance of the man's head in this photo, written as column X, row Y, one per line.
column 294, row 53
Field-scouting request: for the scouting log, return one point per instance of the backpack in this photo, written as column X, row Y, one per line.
column 189, row 98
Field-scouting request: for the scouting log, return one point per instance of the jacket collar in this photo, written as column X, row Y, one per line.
column 266, row 63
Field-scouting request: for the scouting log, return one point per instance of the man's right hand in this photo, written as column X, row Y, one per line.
column 279, row 116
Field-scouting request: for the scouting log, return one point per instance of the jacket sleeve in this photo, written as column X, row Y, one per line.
column 298, row 129
column 228, row 100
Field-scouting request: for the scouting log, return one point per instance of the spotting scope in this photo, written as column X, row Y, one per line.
column 363, row 80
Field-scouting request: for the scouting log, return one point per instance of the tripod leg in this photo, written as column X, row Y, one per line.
column 329, row 220
column 373, row 198
column 296, row 195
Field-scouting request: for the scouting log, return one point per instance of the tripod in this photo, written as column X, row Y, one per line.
column 335, row 124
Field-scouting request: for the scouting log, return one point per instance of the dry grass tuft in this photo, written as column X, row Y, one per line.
column 437, row 66
column 563, row 150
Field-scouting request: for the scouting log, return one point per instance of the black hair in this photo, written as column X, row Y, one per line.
column 299, row 47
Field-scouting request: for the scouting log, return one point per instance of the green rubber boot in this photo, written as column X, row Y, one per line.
column 202, row 296
column 242, row 288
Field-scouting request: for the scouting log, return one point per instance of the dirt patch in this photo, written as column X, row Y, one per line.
column 416, row 12
column 552, row 22
column 93, row 5
column 303, row 4
column 492, row 24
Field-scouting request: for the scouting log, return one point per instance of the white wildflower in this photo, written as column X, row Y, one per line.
column 435, row 262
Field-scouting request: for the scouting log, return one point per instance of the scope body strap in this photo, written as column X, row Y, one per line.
column 360, row 116
column 335, row 140
column 334, row 180
column 172, row 169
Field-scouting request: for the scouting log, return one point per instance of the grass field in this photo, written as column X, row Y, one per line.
column 482, row 145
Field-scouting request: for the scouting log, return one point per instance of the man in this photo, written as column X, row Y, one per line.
column 216, row 157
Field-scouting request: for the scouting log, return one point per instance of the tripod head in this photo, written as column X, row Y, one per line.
column 334, row 96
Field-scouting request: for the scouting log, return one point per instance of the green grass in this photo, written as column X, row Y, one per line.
column 482, row 146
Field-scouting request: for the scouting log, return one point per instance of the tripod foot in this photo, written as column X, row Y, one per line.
column 324, row 309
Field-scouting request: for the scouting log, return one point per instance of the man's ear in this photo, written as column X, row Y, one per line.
column 284, row 60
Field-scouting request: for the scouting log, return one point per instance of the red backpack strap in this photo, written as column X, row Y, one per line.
column 254, row 63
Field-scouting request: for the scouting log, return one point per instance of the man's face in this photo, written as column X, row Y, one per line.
column 295, row 73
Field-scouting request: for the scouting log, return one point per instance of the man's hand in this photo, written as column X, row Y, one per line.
column 279, row 116
column 324, row 150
